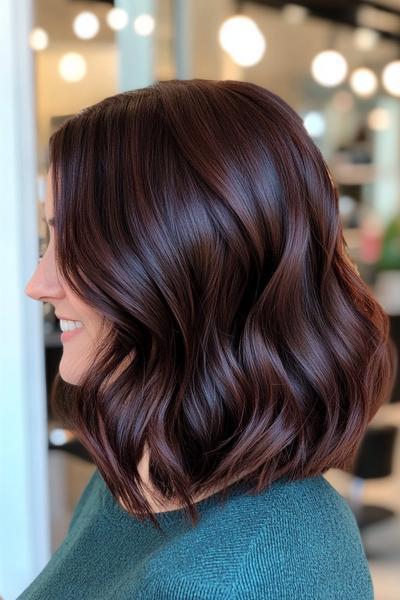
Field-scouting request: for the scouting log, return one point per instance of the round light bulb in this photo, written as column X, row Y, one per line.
column 294, row 14
column 72, row 67
column 38, row 39
column 86, row 25
column 391, row 78
column 363, row 82
column 241, row 38
column 58, row 436
column 144, row 24
column 365, row 39
column 329, row 68
column 117, row 18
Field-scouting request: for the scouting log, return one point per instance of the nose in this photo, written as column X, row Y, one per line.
column 44, row 285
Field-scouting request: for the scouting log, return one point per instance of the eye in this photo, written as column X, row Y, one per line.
column 42, row 247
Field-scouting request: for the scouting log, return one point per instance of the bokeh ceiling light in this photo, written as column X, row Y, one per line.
column 58, row 436
column 144, row 24
column 378, row 119
column 294, row 14
column 72, row 67
column 365, row 39
column 391, row 78
column 86, row 25
column 117, row 18
column 329, row 68
column 314, row 124
column 38, row 39
column 241, row 38
column 363, row 82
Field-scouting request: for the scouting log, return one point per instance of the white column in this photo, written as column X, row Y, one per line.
column 24, row 503
column 197, row 49
column 181, row 23
column 135, row 52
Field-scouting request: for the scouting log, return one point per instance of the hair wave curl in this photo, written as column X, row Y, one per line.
column 201, row 221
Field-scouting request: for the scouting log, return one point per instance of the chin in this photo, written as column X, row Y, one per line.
column 68, row 379
column 68, row 375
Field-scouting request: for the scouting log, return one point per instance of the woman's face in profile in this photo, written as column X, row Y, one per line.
column 44, row 285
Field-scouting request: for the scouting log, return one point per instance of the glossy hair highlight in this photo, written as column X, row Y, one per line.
column 201, row 221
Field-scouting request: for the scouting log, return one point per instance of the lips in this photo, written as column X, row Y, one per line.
column 66, row 335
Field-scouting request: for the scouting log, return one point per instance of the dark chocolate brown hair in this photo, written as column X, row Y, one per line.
column 201, row 221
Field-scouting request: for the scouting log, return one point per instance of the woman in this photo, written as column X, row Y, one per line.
column 227, row 352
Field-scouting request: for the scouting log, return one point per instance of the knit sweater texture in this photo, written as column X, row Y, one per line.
column 296, row 540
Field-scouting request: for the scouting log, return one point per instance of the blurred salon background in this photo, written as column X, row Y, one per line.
column 336, row 62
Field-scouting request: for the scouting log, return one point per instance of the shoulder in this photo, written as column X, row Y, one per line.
column 295, row 540
column 308, row 546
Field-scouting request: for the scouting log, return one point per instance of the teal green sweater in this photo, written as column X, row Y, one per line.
column 297, row 540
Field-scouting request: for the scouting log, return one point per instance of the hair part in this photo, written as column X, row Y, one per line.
column 201, row 221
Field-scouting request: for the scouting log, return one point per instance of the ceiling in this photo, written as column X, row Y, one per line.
column 56, row 16
column 381, row 15
column 284, row 68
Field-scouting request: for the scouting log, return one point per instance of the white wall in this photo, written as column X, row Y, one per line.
column 24, row 517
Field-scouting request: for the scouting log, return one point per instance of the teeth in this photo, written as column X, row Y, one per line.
column 70, row 325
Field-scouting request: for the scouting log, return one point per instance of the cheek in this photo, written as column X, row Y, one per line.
column 90, row 331
column 94, row 326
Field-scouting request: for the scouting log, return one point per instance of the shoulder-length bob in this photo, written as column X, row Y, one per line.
column 201, row 221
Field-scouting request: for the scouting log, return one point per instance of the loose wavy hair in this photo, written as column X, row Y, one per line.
column 201, row 221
